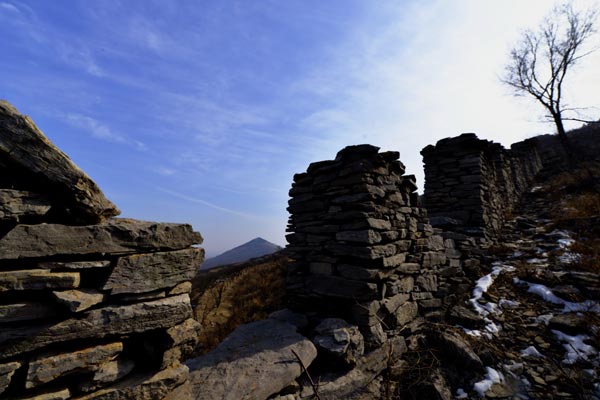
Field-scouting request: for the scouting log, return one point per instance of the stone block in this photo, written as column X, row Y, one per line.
column 393, row 261
column 79, row 300
column 428, row 282
column 357, row 273
column 48, row 367
column 116, row 236
column 140, row 273
column 367, row 236
column 344, row 288
column 37, row 279
column 409, row 268
column 99, row 323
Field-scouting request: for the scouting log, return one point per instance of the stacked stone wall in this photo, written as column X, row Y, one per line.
column 364, row 250
column 477, row 182
column 91, row 306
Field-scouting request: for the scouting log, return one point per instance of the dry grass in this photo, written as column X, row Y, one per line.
column 226, row 297
column 578, row 210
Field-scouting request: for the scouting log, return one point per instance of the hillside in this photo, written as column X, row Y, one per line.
column 227, row 296
column 257, row 247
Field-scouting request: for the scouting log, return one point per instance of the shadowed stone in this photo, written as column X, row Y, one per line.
column 118, row 236
column 338, row 339
column 25, row 146
column 76, row 265
column 108, row 372
column 146, row 272
column 254, row 362
column 63, row 394
column 25, row 312
column 16, row 204
column 6, row 373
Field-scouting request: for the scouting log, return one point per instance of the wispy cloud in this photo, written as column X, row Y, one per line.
column 10, row 7
column 206, row 203
column 101, row 131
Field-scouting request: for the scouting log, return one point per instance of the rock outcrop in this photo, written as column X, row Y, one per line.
column 35, row 163
column 91, row 306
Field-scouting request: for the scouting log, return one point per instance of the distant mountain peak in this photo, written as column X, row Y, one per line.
column 256, row 247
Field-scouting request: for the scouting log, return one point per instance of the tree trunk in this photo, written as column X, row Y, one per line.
column 564, row 141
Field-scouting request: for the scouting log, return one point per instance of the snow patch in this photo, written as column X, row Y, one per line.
column 536, row 261
column 505, row 303
column 531, row 351
column 546, row 293
column 484, row 309
column 461, row 394
column 575, row 346
column 491, row 377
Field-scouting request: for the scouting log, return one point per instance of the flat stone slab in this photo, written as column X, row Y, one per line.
column 116, row 236
column 102, row 322
column 254, row 362
column 79, row 300
column 28, row 149
column 146, row 272
column 36, row 279
column 48, row 367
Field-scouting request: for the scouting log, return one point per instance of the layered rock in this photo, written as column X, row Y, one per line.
column 35, row 163
column 91, row 306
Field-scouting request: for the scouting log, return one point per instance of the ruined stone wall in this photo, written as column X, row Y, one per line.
column 364, row 251
column 477, row 182
column 91, row 306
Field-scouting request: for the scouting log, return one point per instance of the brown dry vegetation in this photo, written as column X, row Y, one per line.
column 226, row 297
column 577, row 209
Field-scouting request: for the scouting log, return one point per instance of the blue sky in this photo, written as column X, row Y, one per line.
column 202, row 111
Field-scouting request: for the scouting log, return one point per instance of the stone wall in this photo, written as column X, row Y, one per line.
column 364, row 251
column 477, row 182
column 91, row 306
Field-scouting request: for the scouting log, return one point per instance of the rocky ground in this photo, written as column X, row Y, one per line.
column 533, row 318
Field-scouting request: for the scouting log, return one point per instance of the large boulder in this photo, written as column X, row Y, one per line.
column 255, row 361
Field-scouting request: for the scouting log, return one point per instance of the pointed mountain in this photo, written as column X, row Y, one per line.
column 255, row 248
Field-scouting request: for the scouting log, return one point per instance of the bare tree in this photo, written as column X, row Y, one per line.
column 539, row 63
